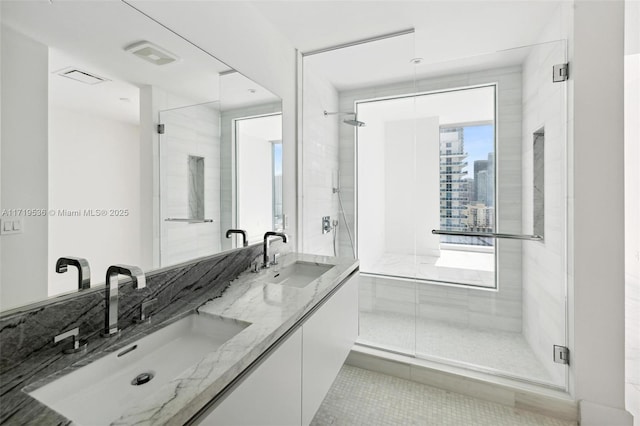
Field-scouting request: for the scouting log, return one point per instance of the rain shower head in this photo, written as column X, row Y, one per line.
column 353, row 122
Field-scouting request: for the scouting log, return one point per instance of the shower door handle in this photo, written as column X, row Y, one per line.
column 488, row 235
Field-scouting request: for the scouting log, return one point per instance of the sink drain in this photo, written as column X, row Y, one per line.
column 142, row 378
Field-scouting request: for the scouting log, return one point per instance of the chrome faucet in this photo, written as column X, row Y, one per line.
column 84, row 272
column 265, row 246
column 245, row 243
column 111, row 294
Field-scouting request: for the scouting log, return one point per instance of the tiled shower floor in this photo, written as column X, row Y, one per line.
column 362, row 397
column 504, row 351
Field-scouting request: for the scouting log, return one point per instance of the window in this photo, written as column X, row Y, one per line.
column 471, row 174
column 442, row 192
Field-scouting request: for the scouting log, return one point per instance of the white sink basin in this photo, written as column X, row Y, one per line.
column 100, row 392
column 298, row 274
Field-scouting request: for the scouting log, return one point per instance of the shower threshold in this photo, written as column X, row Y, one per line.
column 488, row 385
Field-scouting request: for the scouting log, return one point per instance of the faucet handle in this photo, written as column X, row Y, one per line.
column 74, row 334
column 276, row 256
column 145, row 311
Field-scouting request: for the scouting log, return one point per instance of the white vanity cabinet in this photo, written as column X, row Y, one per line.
column 288, row 386
column 327, row 338
column 269, row 395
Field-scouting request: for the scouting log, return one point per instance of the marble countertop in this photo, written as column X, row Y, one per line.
column 271, row 309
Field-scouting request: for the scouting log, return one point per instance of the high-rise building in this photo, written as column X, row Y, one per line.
column 482, row 187
column 478, row 167
column 471, row 190
column 453, row 188
column 466, row 204
column 490, row 180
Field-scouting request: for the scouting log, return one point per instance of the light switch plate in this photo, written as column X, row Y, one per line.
column 11, row 225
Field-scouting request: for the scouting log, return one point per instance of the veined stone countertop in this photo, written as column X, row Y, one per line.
column 271, row 309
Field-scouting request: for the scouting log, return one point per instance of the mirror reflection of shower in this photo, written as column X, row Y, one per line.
column 353, row 122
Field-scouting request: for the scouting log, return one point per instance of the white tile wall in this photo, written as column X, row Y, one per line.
column 319, row 161
column 193, row 130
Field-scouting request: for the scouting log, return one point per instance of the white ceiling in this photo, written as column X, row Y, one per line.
column 450, row 36
column 444, row 29
column 115, row 99
column 92, row 35
column 388, row 61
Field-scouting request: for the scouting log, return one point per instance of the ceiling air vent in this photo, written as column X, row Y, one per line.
column 81, row 76
column 151, row 53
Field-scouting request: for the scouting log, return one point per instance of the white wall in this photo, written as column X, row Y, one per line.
column 24, row 159
column 632, row 206
column 632, row 232
column 372, row 195
column 319, row 162
column 544, row 263
column 412, row 186
column 255, row 174
column 93, row 164
column 597, row 293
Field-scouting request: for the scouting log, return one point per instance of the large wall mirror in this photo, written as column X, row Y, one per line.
column 123, row 143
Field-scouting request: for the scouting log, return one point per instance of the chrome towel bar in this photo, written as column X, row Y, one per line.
column 488, row 235
column 176, row 219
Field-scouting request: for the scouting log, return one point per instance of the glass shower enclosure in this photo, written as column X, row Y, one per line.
column 456, row 189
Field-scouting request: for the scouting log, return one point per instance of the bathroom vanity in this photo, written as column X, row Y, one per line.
column 264, row 352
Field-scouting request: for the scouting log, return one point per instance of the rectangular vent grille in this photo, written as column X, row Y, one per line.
column 81, row 76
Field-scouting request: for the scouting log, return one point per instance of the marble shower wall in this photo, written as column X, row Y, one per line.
column 26, row 338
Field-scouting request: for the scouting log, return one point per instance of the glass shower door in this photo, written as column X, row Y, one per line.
column 515, row 207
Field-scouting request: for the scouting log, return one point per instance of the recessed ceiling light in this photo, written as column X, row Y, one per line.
column 416, row 61
column 125, row 99
column 151, row 53
column 251, row 90
column 81, row 76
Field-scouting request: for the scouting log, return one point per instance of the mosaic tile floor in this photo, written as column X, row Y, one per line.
column 500, row 350
column 362, row 397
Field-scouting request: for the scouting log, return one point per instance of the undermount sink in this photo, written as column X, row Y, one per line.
column 298, row 274
column 102, row 391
